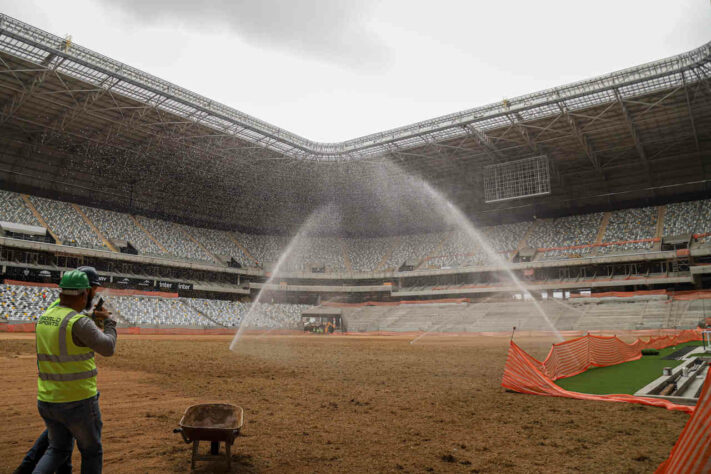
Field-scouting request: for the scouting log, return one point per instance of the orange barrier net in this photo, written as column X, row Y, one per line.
column 692, row 451
column 525, row 374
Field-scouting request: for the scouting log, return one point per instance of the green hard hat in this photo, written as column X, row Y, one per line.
column 74, row 280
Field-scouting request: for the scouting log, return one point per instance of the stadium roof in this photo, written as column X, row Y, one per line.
column 71, row 118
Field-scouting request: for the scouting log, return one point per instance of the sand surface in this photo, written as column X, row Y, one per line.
column 341, row 404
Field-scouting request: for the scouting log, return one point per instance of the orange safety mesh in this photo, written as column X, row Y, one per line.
column 692, row 452
column 525, row 374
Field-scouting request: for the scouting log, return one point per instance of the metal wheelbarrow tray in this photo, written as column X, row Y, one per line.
column 214, row 422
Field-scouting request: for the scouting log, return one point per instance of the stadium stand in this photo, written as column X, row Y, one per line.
column 221, row 312
column 119, row 226
column 265, row 248
column 606, row 314
column 25, row 303
column 13, row 209
column 413, row 248
column 565, row 232
column 431, row 250
column 458, row 251
column 627, row 226
column 505, row 238
column 692, row 217
column 150, row 310
column 174, row 240
column 220, row 244
column 66, row 223
column 366, row 254
column 272, row 316
column 317, row 251
column 147, row 310
column 681, row 218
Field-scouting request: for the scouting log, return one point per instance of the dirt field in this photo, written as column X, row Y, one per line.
column 341, row 404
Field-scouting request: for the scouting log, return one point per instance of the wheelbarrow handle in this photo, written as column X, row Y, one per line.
column 182, row 433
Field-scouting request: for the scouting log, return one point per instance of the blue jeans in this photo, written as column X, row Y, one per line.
column 35, row 454
column 65, row 422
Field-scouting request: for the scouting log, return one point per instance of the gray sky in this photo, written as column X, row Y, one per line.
column 331, row 70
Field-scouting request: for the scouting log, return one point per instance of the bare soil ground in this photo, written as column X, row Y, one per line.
column 341, row 404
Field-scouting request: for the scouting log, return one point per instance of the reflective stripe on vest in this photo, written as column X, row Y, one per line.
column 67, row 372
column 65, row 358
column 69, row 377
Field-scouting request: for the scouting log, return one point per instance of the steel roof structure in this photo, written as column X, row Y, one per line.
column 77, row 124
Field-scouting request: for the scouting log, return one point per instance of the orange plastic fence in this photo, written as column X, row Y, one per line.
column 525, row 374
column 692, row 452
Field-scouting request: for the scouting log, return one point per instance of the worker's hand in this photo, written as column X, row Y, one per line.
column 101, row 314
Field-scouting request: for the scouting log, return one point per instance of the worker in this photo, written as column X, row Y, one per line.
column 42, row 443
column 67, row 395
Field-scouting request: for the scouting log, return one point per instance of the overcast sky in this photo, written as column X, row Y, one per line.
column 332, row 70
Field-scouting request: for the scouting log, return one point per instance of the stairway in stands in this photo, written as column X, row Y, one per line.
column 186, row 302
column 39, row 218
column 102, row 237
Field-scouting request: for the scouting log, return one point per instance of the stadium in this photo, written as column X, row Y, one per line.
column 368, row 289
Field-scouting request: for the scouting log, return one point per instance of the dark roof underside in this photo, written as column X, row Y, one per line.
column 67, row 138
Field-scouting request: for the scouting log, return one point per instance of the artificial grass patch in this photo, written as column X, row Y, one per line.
column 623, row 378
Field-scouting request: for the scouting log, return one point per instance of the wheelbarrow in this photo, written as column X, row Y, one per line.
column 214, row 422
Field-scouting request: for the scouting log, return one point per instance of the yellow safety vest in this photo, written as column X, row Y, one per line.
column 67, row 372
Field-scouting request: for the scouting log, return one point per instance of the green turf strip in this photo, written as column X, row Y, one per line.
column 622, row 378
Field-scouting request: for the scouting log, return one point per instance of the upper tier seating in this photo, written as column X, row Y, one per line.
column 173, row 239
column 119, row 226
column 366, row 254
column 630, row 224
column 220, row 244
column 66, row 223
column 13, row 209
column 316, row 251
column 265, row 248
column 413, row 248
column 566, row 232
column 433, row 250
column 688, row 218
column 463, row 248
